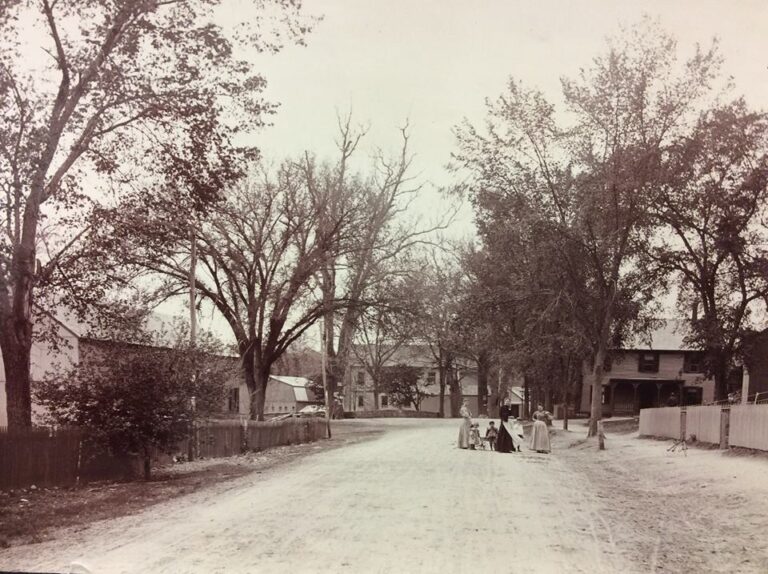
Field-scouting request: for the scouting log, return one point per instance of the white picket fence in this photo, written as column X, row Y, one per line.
column 749, row 426
column 661, row 422
column 703, row 423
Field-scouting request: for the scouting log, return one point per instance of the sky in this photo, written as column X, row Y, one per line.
column 434, row 62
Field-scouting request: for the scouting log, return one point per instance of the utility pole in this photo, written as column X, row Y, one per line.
column 192, row 290
column 192, row 335
column 323, row 363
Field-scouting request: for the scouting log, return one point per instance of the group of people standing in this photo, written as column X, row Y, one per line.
column 509, row 436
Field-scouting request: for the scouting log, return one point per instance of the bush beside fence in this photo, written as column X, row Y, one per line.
column 662, row 422
column 46, row 457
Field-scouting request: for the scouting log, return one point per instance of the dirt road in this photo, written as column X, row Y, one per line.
column 408, row 501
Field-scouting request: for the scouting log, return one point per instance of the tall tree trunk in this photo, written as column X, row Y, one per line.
column 720, row 374
column 526, row 397
column 16, row 349
column 441, row 394
column 596, row 407
column 16, row 339
column 483, row 368
column 259, row 395
column 454, row 389
column 596, row 410
column 249, row 371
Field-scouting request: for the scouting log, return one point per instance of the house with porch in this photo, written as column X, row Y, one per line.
column 358, row 389
column 648, row 371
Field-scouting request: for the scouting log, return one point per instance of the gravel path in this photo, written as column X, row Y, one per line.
column 410, row 501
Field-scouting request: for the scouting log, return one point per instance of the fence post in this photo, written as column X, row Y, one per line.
column 600, row 435
column 725, row 419
column 683, row 420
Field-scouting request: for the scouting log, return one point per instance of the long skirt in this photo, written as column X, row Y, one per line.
column 540, row 437
column 504, row 441
column 464, row 434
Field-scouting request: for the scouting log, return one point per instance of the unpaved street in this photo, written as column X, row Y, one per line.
column 408, row 501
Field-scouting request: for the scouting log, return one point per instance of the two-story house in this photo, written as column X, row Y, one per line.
column 359, row 389
column 646, row 373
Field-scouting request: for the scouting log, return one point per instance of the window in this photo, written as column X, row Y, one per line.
column 607, row 363
column 648, row 362
column 233, row 400
column 431, row 378
column 360, row 378
column 693, row 362
column 692, row 395
column 360, row 401
column 384, row 401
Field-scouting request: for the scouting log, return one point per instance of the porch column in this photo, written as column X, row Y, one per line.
column 636, row 399
column 658, row 394
column 612, row 386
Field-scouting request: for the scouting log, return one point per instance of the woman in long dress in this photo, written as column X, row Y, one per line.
column 540, row 432
column 504, row 442
column 466, row 422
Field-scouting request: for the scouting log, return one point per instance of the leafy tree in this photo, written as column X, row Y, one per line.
column 131, row 399
column 404, row 386
column 709, row 213
column 139, row 94
column 588, row 184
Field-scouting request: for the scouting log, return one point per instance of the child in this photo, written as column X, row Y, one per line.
column 491, row 433
column 474, row 436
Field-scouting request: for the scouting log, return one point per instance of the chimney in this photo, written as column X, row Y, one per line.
column 695, row 312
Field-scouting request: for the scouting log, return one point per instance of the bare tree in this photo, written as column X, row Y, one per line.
column 386, row 325
column 258, row 253
column 384, row 233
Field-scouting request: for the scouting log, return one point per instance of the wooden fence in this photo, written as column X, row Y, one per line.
column 727, row 425
column 39, row 456
column 46, row 457
column 705, row 423
column 662, row 422
column 749, row 426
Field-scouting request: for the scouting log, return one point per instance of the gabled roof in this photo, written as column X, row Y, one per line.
column 669, row 336
column 158, row 324
column 299, row 386
column 293, row 381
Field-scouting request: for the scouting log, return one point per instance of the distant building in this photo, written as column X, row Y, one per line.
column 358, row 388
column 646, row 373
column 284, row 395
